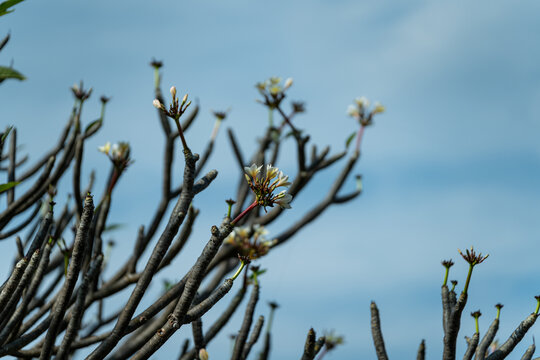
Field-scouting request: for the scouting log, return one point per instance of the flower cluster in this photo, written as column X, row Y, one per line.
column 447, row 263
column 273, row 91
column 118, row 154
column 176, row 109
column 80, row 93
column 264, row 185
column 156, row 64
column 220, row 115
column 250, row 241
column 332, row 340
column 298, row 107
column 471, row 257
column 360, row 110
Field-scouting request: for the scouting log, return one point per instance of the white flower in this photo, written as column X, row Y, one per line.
column 115, row 151
column 283, row 199
column 274, row 80
column 259, row 230
column 362, row 102
column 263, row 186
column 282, row 180
column 378, row 108
column 253, row 170
column 271, row 172
column 274, row 90
column 352, row 111
column 105, row 148
column 120, row 151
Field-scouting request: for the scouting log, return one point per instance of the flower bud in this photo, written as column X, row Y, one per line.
column 173, row 91
column 203, row 354
column 157, row 104
column 288, row 83
column 184, row 99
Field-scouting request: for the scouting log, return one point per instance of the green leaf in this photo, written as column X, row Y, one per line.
column 349, row 140
column 113, row 227
column 4, row 6
column 256, row 273
column 9, row 185
column 9, row 73
column 167, row 285
column 6, row 133
column 93, row 127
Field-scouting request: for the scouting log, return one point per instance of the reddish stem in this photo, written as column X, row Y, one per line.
column 243, row 213
column 114, row 179
column 359, row 137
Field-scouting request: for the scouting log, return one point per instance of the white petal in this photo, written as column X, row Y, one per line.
column 271, row 171
column 105, row 148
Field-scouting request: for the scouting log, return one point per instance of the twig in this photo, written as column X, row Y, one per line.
column 529, row 352
column 309, row 346
column 13, row 324
column 22, row 225
column 77, row 257
column 377, row 333
column 246, row 324
column 196, row 275
column 152, row 265
column 7, row 310
column 181, row 239
column 254, row 337
column 9, row 286
column 472, row 343
column 12, row 164
column 198, row 338
column 450, row 337
column 78, row 309
column 518, row 334
column 184, row 350
column 79, row 147
column 51, row 153
column 29, row 197
column 421, row 355
column 236, row 150
column 487, row 339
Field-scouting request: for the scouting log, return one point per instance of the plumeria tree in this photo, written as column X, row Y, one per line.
column 53, row 299
column 48, row 297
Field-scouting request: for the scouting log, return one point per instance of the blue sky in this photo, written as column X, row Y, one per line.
column 454, row 161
